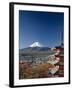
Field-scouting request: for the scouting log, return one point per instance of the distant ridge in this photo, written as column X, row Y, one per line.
column 35, row 49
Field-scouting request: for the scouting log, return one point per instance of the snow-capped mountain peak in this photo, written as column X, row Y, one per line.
column 36, row 44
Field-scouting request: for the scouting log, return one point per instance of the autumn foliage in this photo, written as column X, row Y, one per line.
column 39, row 71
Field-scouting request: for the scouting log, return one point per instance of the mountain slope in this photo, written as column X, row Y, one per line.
column 35, row 49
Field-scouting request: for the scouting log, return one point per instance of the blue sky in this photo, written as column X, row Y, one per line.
column 43, row 27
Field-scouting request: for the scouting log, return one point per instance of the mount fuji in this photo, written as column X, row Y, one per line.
column 34, row 48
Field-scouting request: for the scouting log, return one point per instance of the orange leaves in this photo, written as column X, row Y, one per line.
column 39, row 71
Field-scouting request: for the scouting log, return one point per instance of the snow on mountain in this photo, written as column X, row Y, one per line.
column 35, row 47
column 35, row 44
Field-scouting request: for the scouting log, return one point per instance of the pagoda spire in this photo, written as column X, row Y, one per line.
column 61, row 38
